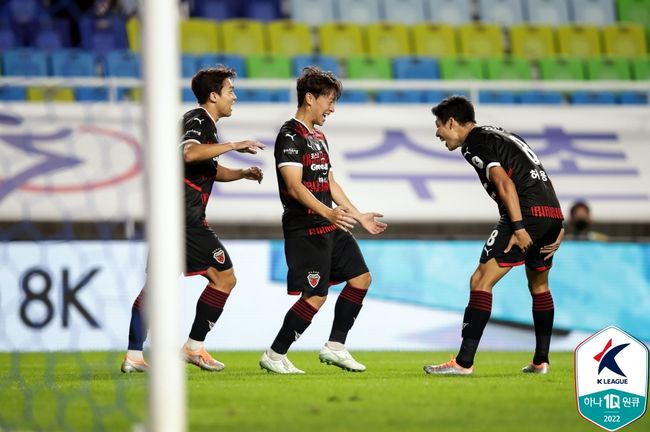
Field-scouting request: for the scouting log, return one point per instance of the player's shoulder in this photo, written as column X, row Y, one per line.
column 196, row 115
column 291, row 131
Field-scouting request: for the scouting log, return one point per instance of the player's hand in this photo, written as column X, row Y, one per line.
column 549, row 250
column 253, row 173
column 248, row 146
column 371, row 224
column 340, row 217
column 521, row 239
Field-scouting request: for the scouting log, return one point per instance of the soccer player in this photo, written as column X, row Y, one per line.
column 205, row 254
column 318, row 246
column 529, row 230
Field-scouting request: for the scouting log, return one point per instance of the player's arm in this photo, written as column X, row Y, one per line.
column 225, row 174
column 292, row 176
column 507, row 193
column 549, row 250
column 367, row 220
column 194, row 151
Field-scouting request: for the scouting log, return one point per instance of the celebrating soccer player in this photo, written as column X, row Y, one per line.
column 205, row 254
column 529, row 230
column 318, row 246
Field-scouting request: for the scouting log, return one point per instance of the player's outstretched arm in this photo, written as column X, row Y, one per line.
column 225, row 174
column 367, row 220
column 194, row 151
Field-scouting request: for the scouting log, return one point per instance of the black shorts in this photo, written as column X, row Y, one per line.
column 202, row 250
column 315, row 262
column 543, row 231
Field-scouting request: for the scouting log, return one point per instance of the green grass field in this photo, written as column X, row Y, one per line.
column 87, row 392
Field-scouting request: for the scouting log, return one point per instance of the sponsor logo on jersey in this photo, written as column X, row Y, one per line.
column 290, row 151
column 292, row 136
column 318, row 167
column 313, row 278
column 194, row 131
column 219, row 256
column 478, row 162
column 199, row 120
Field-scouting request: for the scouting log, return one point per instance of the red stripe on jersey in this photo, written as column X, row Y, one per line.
column 193, row 186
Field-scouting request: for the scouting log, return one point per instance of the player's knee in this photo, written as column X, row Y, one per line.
column 361, row 282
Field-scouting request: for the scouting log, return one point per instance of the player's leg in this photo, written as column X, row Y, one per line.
column 543, row 314
column 134, row 359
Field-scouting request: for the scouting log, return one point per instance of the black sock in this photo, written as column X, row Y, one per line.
column 477, row 314
column 295, row 323
column 138, row 325
column 346, row 311
column 208, row 310
column 543, row 312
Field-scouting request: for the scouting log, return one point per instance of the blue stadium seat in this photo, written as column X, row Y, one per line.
column 25, row 62
column 594, row 12
column 7, row 39
column 102, row 35
column 254, row 95
column 262, row 10
column 592, row 98
column 217, row 10
column 122, row 63
column 549, row 12
column 10, row 93
column 48, row 40
column 73, row 63
column 312, row 12
column 497, row 97
column 358, row 11
column 188, row 65
column 415, row 68
column 633, row 98
column 91, row 94
column 324, row 62
column 435, row 96
column 454, row 12
column 503, row 12
column 534, row 97
column 399, row 96
column 404, row 11
column 354, row 96
column 231, row 60
column 22, row 16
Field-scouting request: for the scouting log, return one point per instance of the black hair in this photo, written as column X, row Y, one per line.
column 577, row 205
column 318, row 82
column 210, row 80
column 457, row 107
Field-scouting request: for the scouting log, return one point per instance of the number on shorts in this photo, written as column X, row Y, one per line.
column 493, row 237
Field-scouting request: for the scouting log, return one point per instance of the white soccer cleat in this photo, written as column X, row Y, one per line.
column 341, row 358
column 448, row 368
column 202, row 359
column 543, row 368
column 281, row 366
column 131, row 366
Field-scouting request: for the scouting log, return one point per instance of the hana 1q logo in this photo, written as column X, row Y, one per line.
column 611, row 378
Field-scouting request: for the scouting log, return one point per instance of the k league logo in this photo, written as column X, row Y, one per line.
column 611, row 373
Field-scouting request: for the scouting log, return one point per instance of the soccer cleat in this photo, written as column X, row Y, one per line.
column 341, row 358
column 449, row 368
column 202, row 359
column 130, row 366
column 543, row 368
column 281, row 366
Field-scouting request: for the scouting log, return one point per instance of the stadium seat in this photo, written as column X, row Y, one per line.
column 633, row 98
column 7, row 39
column 243, row 37
column 634, row 11
column 641, row 69
column 262, row 10
column 188, row 65
column 326, row 63
column 536, row 97
column 47, row 40
column 312, row 12
column 124, row 64
column 341, row 40
column 398, row 96
column 364, row 67
column 434, row 40
column 12, row 94
column 594, row 12
column 435, row 96
column 233, row 61
column 461, row 69
column 215, row 10
column 508, row 69
column 625, row 40
column 133, row 33
column 420, row 68
column 404, row 11
column 354, row 96
column 608, row 69
column 503, row 12
column 357, row 11
column 532, row 41
column 592, row 98
column 388, row 39
column 453, row 12
column 549, row 12
column 73, row 63
column 497, row 97
column 481, row 40
column 262, row 95
column 289, row 38
column 579, row 41
column 22, row 17
column 91, row 94
column 199, row 36
column 268, row 66
column 561, row 69
column 102, row 35
column 50, row 94
column 26, row 62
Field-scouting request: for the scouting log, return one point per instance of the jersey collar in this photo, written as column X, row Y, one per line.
column 206, row 111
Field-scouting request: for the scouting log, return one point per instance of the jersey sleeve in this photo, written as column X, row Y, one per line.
column 482, row 155
column 288, row 150
column 193, row 130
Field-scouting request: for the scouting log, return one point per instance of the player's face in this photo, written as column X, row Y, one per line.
column 226, row 99
column 323, row 106
column 448, row 132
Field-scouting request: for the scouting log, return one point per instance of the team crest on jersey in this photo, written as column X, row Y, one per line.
column 313, row 278
column 219, row 256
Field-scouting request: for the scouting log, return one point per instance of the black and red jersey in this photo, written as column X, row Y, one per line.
column 298, row 146
column 198, row 127
column 488, row 146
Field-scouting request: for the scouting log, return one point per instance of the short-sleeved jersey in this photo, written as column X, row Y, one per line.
column 298, row 146
column 487, row 146
column 198, row 127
